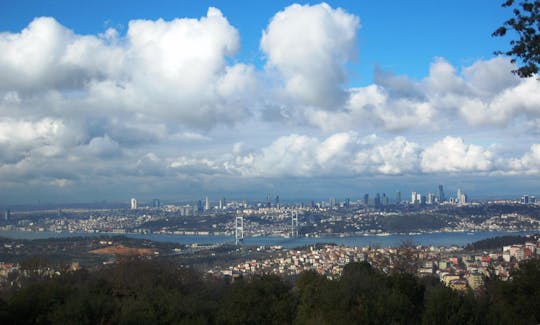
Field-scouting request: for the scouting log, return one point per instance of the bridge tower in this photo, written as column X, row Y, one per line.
column 238, row 229
column 294, row 224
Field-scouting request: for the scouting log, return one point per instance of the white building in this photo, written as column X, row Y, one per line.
column 133, row 204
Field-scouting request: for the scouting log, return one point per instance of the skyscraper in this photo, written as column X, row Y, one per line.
column 398, row 197
column 442, row 198
column 413, row 197
column 207, row 204
column 156, row 204
column 133, row 204
column 222, row 203
column 366, row 199
column 200, row 207
column 377, row 201
column 461, row 197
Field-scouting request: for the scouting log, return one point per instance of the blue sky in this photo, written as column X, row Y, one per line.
column 103, row 100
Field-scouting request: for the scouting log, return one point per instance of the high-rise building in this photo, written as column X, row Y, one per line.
column 413, row 197
column 461, row 197
column 430, row 198
column 442, row 198
column 7, row 215
column 156, row 204
column 366, row 199
column 332, row 202
column 207, row 204
column 398, row 197
column 384, row 199
column 222, row 203
column 133, row 204
column 525, row 199
column 200, row 207
column 377, row 201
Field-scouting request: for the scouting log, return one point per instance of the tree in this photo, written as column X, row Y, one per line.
column 526, row 23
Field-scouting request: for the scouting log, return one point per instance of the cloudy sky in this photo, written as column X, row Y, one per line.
column 180, row 100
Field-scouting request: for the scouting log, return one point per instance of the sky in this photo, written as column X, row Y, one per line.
column 179, row 100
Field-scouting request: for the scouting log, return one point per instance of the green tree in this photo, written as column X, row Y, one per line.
column 262, row 300
column 517, row 301
column 526, row 24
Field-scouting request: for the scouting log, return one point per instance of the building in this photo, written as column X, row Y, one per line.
column 430, row 198
column 200, row 207
column 206, row 204
column 398, row 197
column 442, row 198
column 7, row 215
column 156, row 204
column 133, row 204
column 461, row 197
column 414, row 195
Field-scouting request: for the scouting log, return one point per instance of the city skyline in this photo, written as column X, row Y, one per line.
column 220, row 98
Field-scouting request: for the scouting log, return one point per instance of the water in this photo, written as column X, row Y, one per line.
column 426, row 239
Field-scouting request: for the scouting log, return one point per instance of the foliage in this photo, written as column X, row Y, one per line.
column 495, row 242
column 161, row 293
column 526, row 23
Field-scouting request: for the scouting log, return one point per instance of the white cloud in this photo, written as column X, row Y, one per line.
column 397, row 156
column 451, row 154
column 483, row 94
column 529, row 163
column 48, row 55
column 309, row 46
column 175, row 70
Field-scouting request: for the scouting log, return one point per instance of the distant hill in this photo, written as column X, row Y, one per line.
column 496, row 242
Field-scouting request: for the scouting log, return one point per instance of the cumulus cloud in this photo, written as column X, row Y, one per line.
column 309, row 46
column 485, row 93
column 161, row 69
column 349, row 154
column 397, row 156
column 529, row 163
column 453, row 155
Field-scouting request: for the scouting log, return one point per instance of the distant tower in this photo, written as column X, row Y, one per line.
column 133, row 204
column 294, row 224
column 7, row 215
column 332, row 202
column 384, row 199
column 200, row 207
column 238, row 229
column 277, row 201
column 413, row 197
column 156, row 204
column 207, row 204
column 398, row 197
column 366, row 199
column 268, row 203
column 442, row 198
